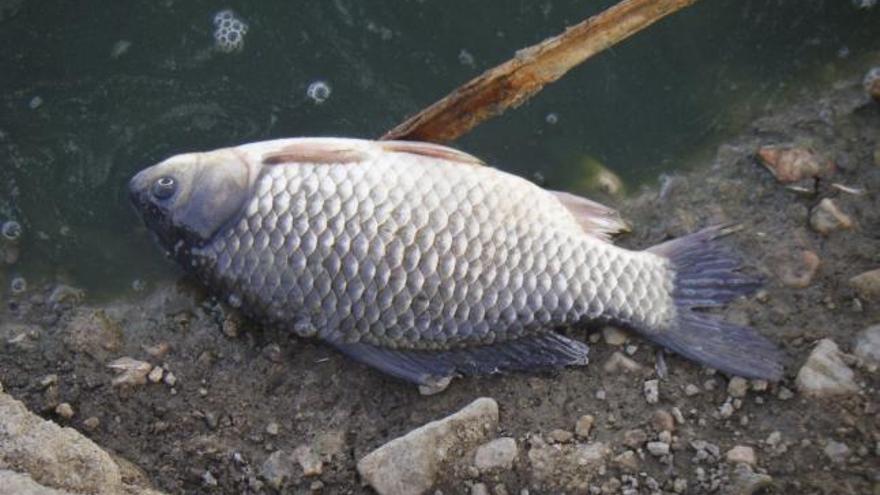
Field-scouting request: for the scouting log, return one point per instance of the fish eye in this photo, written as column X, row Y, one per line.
column 164, row 187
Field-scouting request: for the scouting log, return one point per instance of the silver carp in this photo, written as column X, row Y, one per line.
column 425, row 263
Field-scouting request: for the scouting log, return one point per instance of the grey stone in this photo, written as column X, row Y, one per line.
column 867, row 285
column 658, row 448
column 410, row 464
column 825, row 373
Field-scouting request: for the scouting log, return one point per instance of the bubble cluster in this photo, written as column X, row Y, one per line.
column 10, row 235
column 18, row 285
column 318, row 92
column 11, row 230
column 229, row 31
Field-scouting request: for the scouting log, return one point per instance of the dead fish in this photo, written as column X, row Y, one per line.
column 425, row 263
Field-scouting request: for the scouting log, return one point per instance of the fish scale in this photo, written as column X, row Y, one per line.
column 420, row 261
column 495, row 264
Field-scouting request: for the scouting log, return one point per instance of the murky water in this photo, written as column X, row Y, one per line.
column 93, row 91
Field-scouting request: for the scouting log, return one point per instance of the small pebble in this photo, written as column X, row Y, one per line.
column 155, row 375
column 92, row 423
column 635, row 438
column 737, row 387
column 691, row 390
column 652, row 391
column 867, row 285
column 561, row 436
column 679, row 417
column 170, row 379
column 658, row 449
column 663, row 421
column 64, row 410
column 825, row 372
column 628, row 461
column 584, row 425
column 614, row 336
column 680, row 485
column 726, row 410
column 272, row 428
column 741, row 454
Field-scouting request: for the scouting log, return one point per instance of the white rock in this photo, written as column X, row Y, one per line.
column 410, row 464
column 741, row 454
column 658, row 448
column 652, row 391
column 614, row 336
column 824, row 373
column 155, row 375
column 737, row 387
column 867, row 346
column 497, row 454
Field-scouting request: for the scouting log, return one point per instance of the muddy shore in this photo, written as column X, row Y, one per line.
column 229, row 395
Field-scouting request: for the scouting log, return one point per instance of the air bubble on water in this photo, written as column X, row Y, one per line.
column 138, row 285
column 843, row 52
column 11, row 230
column 864, row 4
column 120, row 48
column 465, row 58
column 318, row 92
column 35, row 103
column 234, row 301
column 18, row 285
column 229, row 32
column 552, row 118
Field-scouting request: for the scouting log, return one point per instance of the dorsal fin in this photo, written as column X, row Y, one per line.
column 429, row 150
column 595, row 219
column 315, row 152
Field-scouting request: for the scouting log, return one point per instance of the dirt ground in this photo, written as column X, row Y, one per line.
column 234, row 383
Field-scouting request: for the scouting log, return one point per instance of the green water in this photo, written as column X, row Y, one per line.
column 93, row 91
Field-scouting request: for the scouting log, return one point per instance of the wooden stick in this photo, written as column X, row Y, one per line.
column 515, row 81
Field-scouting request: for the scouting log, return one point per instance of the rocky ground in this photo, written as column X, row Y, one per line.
column 202, row 402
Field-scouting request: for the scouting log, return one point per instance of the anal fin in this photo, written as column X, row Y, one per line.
column 426, row 367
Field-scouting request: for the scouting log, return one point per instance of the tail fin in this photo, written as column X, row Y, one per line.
column 705, row 276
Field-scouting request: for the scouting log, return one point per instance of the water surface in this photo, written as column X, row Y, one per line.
column 93, row 91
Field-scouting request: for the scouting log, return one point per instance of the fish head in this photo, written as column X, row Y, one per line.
column 186, row 199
